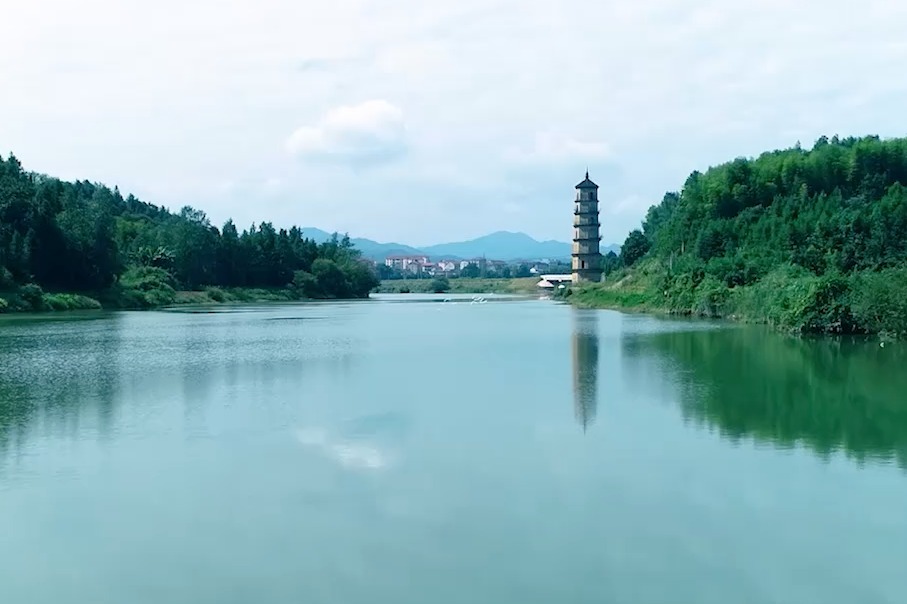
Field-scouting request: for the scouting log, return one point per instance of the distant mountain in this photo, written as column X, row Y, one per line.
column 504, row 245
column 317, row 235
column 370, row 249
column 501, row 245
column 380, row 251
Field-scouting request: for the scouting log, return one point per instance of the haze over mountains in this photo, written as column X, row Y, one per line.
column 500, row 245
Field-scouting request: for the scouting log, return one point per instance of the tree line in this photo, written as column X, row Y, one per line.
column 815, row 240
column 84, row 237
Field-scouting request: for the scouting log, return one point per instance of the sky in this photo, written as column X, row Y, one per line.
column 424, row 122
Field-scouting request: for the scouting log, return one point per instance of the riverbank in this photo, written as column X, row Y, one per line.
column 788, row 298
column 30, row 299
column 459, row 285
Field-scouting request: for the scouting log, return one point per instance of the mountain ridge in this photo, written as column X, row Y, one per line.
column 499, row 245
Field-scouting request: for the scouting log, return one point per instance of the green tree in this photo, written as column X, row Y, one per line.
column 440, row 285
column 610, row 263
column 634, row 248
column 470, row 271
column 332, row 282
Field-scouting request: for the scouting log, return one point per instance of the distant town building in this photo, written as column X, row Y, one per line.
column 586, row 257
column 479, row 262
column 422, row 265
column 407, row 263
column 538, row 268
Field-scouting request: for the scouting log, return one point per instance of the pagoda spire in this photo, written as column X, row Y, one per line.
column 586, row 254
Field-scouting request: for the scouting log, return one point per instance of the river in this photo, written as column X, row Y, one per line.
column 410, row 450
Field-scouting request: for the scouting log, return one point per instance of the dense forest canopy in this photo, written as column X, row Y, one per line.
column 832, row 219
column 84, row 237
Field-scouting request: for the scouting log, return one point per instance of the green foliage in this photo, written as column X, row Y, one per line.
column 440, row 285
column 634, row 248
column 797, row 300
column 470, row 271
column 159, row 257
column 610, row 263
column 61, row 302
column 83, row 237
column 306, row 284
column 32, row 295
column 31, row 298
column 810, row 241
column 361, row 278
column 6, row 279
column 332, row 282
column 217, row 294
column 880, row 302
column 146, row 287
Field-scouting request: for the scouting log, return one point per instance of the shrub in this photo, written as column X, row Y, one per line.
column 146, row 286
column 440, row 285
column 880, row 301
column 306, row 284
column 332, row 281
column 711, row 297
column 32, row 295
column 361, row 278
column 216, row 294
column 61, row 302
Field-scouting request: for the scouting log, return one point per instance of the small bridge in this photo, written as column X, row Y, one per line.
column 552, row 281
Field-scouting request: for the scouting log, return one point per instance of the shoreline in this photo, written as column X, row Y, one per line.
column 26, row 300
column 60, row 302
column 51, row 303
column 601, row 297
column 460, row 285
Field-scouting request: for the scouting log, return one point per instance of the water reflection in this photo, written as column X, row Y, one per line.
column 584, row 346
column 59, row 377
column 826, row 395
column 70, row 380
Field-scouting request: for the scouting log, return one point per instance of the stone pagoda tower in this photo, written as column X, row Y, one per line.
column 587, row 259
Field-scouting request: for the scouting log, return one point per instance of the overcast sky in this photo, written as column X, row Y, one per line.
column 426, row 121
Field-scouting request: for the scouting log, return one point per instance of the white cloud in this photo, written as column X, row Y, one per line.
column 504, row 100
column 556, row 147
column 372, row 131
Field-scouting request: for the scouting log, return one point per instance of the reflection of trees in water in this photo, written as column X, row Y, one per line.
column 584, row 346
column 52, row 372
column 828, row 395
column 66, row 378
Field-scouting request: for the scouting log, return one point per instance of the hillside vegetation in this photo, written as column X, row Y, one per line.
column 807, row 240
column 67, row 245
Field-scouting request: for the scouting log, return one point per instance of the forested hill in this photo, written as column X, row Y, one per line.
column 83, row 237
column 814, row 240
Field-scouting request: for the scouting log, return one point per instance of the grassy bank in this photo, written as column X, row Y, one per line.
column 31, row 299
column 152, row 289
column 789, row 298
column 460, row 286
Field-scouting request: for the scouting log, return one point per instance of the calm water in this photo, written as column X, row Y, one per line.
column 406, row 451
